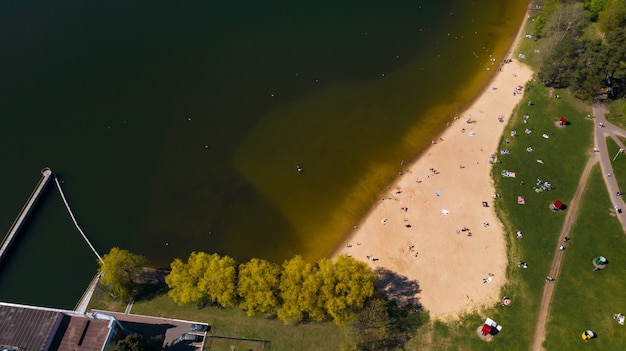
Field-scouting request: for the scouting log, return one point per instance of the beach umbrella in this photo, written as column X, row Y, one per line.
column 588, row 334
column 599, row 263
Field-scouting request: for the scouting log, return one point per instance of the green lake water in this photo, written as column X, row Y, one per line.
column 178, row 127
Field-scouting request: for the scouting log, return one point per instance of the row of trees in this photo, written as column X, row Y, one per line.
column 294, row 292
column 342, row 291
column 582, row 45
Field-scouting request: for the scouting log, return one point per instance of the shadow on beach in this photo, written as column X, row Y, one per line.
column 397, row 288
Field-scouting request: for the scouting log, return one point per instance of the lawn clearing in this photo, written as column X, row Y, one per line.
column 585, row 299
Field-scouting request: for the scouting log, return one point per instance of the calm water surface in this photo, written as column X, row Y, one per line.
column 178, row 127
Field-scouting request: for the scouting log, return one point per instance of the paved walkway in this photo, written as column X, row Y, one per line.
column 603, row 129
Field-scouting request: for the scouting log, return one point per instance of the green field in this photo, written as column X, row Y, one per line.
column 585, row 299
column 235, row 323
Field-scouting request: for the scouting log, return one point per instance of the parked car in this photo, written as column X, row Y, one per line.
column 187, row 337
column 197, row 327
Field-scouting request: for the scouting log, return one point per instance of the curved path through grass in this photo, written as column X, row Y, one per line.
column 601, row 155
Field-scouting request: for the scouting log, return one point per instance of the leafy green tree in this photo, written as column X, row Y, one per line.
column 383, row 325
column 594, row 7
column 556, row 67
column 258, row 286
column 590, row 70
column 183, row 280
column 567, row 19
column 616, row 53
column 202, row 279
column 299, row 291
column 120, row 271
column 347, row 283
column 371, row 329
column 290, row 288
column 219, row 280
column 311, row 300
column 613, row 16
column 135, row 342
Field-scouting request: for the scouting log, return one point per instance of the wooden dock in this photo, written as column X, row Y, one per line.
column 21, row 218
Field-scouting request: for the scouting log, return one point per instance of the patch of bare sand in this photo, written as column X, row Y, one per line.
column 408, row 232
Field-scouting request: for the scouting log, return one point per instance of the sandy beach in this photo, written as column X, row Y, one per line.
column 436, row 224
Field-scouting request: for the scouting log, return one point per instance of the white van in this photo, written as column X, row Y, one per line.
column 186, row 337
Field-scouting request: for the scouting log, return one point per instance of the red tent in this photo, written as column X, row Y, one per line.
column 563, row 120
column 486, row 329
column 558, row 204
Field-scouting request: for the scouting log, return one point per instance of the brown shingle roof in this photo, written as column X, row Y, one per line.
column 83, row 334
column 27, row 328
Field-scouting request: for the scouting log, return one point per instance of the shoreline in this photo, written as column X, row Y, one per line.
column 421, row 228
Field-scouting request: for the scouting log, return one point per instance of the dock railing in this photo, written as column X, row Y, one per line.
column 32, row 199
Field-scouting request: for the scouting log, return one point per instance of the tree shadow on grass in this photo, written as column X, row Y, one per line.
column 398, row 288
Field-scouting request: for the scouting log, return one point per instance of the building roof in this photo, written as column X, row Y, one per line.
column 83, row 334
column 45, row 329
column 26, row 328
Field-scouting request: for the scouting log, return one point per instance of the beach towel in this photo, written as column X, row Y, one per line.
column 520, row 200
column 506, row 173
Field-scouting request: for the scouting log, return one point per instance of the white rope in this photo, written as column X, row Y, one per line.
column 74, row 219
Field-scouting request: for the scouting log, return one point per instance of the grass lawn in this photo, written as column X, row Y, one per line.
column 616, row 113
column 585, row 299
column 235, row 323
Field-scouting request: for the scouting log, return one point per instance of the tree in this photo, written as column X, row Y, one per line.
column 311, row 299
column 590, row 70
column 183, row 281
column 135, row 342
column 202, row 279
column 612, row 16
column 258, row 286
column 594, row 7
column 370, row 330
column 347, row 284
column 567, row 19
column 556, row 67
column 383, row 325
column 219, row 280
column 290, row 288
column 616, row 53
column 299, row 289
column 120, row 271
